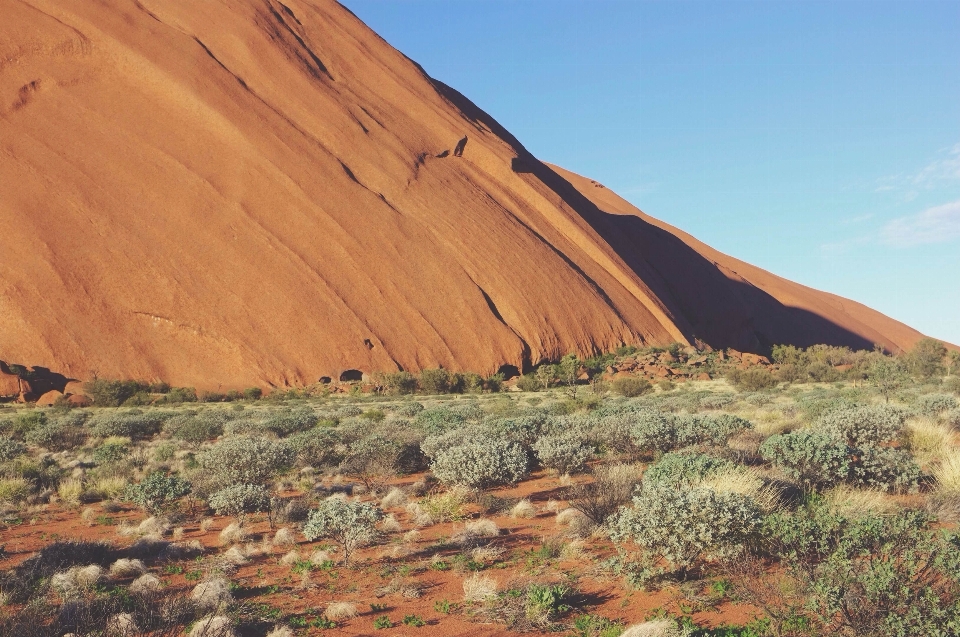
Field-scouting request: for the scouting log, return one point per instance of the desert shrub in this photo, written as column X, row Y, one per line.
column 179, row 395
column 713, row 429
column 438, row 420
column 564, row 453
column 631, row 386
column 611, row 488
column 926, row 359
column 812, row 458
column 409, row 410
column 686, row 527
column 283, row 423
column 952, row 384
column 529, row 382
column 864, row 426
column 239, row 499
column 60, row 434
column 10, row 449
column 349, row 524
column 751, row 379
column 43, row 473
column 242, row 461
column 713, row 400
column 435, row 381
column 26, row 421
column 654, row 431
column 952, row 418
column 110, row 453
column 400, row 382
column 680, row 470
column 372, row 459
column 320, row 446
column 157, row 492
column 871, row 574
column 525, row 429
column 195, row 429
column 481, row 463
column 132, row 425
column 885, row 468
column 113, row 393
column 935, row 404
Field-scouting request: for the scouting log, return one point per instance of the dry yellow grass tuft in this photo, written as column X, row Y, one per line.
column 947, row 472
column 745, row 481
column 928, row 439
column 478, row 588
column 336, row 611
column 853, row 502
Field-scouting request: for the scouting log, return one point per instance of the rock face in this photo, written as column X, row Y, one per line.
column 253, row 192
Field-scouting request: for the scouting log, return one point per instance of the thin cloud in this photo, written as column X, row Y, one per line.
column 939, row 170
column 939, row 224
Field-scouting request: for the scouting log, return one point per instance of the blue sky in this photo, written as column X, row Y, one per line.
column 818, row 140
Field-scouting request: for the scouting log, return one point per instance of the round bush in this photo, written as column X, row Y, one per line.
column 157, row 492
column 243, row 461
column 350, row 524
column 812, row 458
column 320, row 446
column 712, row 429
column 240, row 499
column 110, row 453
column 10, row 449
column 886, row 469
column 685, row 527
column 935, row 404
column 481, row 463
column 284, row 423
column 564, row 453
column 653, row 431
column 60, row 434
column 128, row 425
column 195, row 429
column 864, row 426
column 631, row 386
column 409, row 410
column 679, row 469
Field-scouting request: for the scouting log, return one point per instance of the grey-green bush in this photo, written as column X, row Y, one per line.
column 708, row 429
column 10, row 449
column 320, row 446
column 935, row 404
column 242, row 461
column 239, row 499
column 349, row 524
column 679, row 469
column 564, row 453
column 129, row 425
column 864, row 426
column 688, row 526
column 157, row 492
column 885, row 468
column 481, row 463
column 653, row 431
column 813, row 458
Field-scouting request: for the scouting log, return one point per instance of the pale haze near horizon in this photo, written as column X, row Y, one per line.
column 820, row 141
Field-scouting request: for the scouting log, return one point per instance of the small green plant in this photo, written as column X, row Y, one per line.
column 413, row 620
column 443, row 606
column 157, row 492
column 323, row 623
column 382, row 622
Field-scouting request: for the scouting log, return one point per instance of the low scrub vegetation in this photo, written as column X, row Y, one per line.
column 815, row 494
